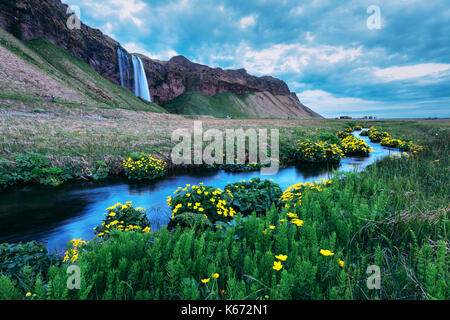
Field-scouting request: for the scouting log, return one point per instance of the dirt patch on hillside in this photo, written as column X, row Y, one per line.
column 20, row 77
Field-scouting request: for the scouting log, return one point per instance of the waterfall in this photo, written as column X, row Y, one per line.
column 124, row 68
column 140, row 79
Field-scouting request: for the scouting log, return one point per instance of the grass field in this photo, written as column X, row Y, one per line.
column 393, row 216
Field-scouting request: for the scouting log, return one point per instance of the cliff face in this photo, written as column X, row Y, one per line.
column 35, row 19
column 170, row 79
column 47, row 19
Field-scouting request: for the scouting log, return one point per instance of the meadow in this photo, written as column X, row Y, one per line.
column 251, row 240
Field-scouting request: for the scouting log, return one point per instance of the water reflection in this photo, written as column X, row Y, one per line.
column 57, row 215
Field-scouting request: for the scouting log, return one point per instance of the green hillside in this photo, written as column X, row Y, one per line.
column 69, row 72
column 221, row 105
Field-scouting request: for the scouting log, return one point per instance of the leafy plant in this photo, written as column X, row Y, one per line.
column 255, row 195
column 14, row 257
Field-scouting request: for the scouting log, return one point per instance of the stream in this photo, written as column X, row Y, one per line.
column 71, row 211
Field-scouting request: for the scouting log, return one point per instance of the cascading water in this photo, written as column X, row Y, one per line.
column 124, row 68
column 140, row 80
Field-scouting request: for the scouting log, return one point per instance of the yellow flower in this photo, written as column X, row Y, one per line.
column 341, row 263
column 326, row 253
column 205, row 280
column 28, row 294
column 297, row 222
column 277, row 265
column 215, row 275
column 281, row 257
column 272, row 227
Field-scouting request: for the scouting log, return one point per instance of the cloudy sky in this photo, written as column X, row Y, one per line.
column 333, row 54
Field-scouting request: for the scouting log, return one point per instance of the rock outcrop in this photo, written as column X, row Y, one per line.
column 34, row 19
column 47, row 19
column 170, row 79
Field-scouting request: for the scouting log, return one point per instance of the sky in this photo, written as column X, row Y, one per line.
column 389, row 59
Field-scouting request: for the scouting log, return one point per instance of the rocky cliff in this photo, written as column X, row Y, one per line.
column 47, row 19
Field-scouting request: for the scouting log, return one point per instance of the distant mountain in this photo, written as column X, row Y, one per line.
column 171, row 83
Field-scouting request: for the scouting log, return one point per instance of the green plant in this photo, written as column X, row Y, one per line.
column 240, row 167
column 34, row 167
column 8, row 176
column 14, row 257
column 190, row 220
column 255, row 195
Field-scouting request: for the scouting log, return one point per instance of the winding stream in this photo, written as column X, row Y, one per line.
column 57, row 215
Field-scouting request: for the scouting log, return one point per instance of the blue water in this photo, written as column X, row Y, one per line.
column 124, row 68
column 140, row 79
column 57, row 215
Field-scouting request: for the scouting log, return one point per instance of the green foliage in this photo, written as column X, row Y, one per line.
column 8, row 176
column 241, row 167
column 328, row 137
column 141, row 166
column 190, row 220
column 255, row 195
column 220, row 105
column 33, row 168
column 15, row 257
column 101, row 171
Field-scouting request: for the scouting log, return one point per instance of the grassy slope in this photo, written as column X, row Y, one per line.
column 194, row 103
column 73, row 73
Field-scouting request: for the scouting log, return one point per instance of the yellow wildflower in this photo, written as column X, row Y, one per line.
column 326, row 253
column 277, row 265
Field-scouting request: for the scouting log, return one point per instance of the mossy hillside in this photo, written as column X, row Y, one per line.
column 74, row 73
column 220, row 105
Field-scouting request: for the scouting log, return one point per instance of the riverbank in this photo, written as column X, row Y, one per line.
column 97, row 145
column 393, row 216
column 84, row 202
